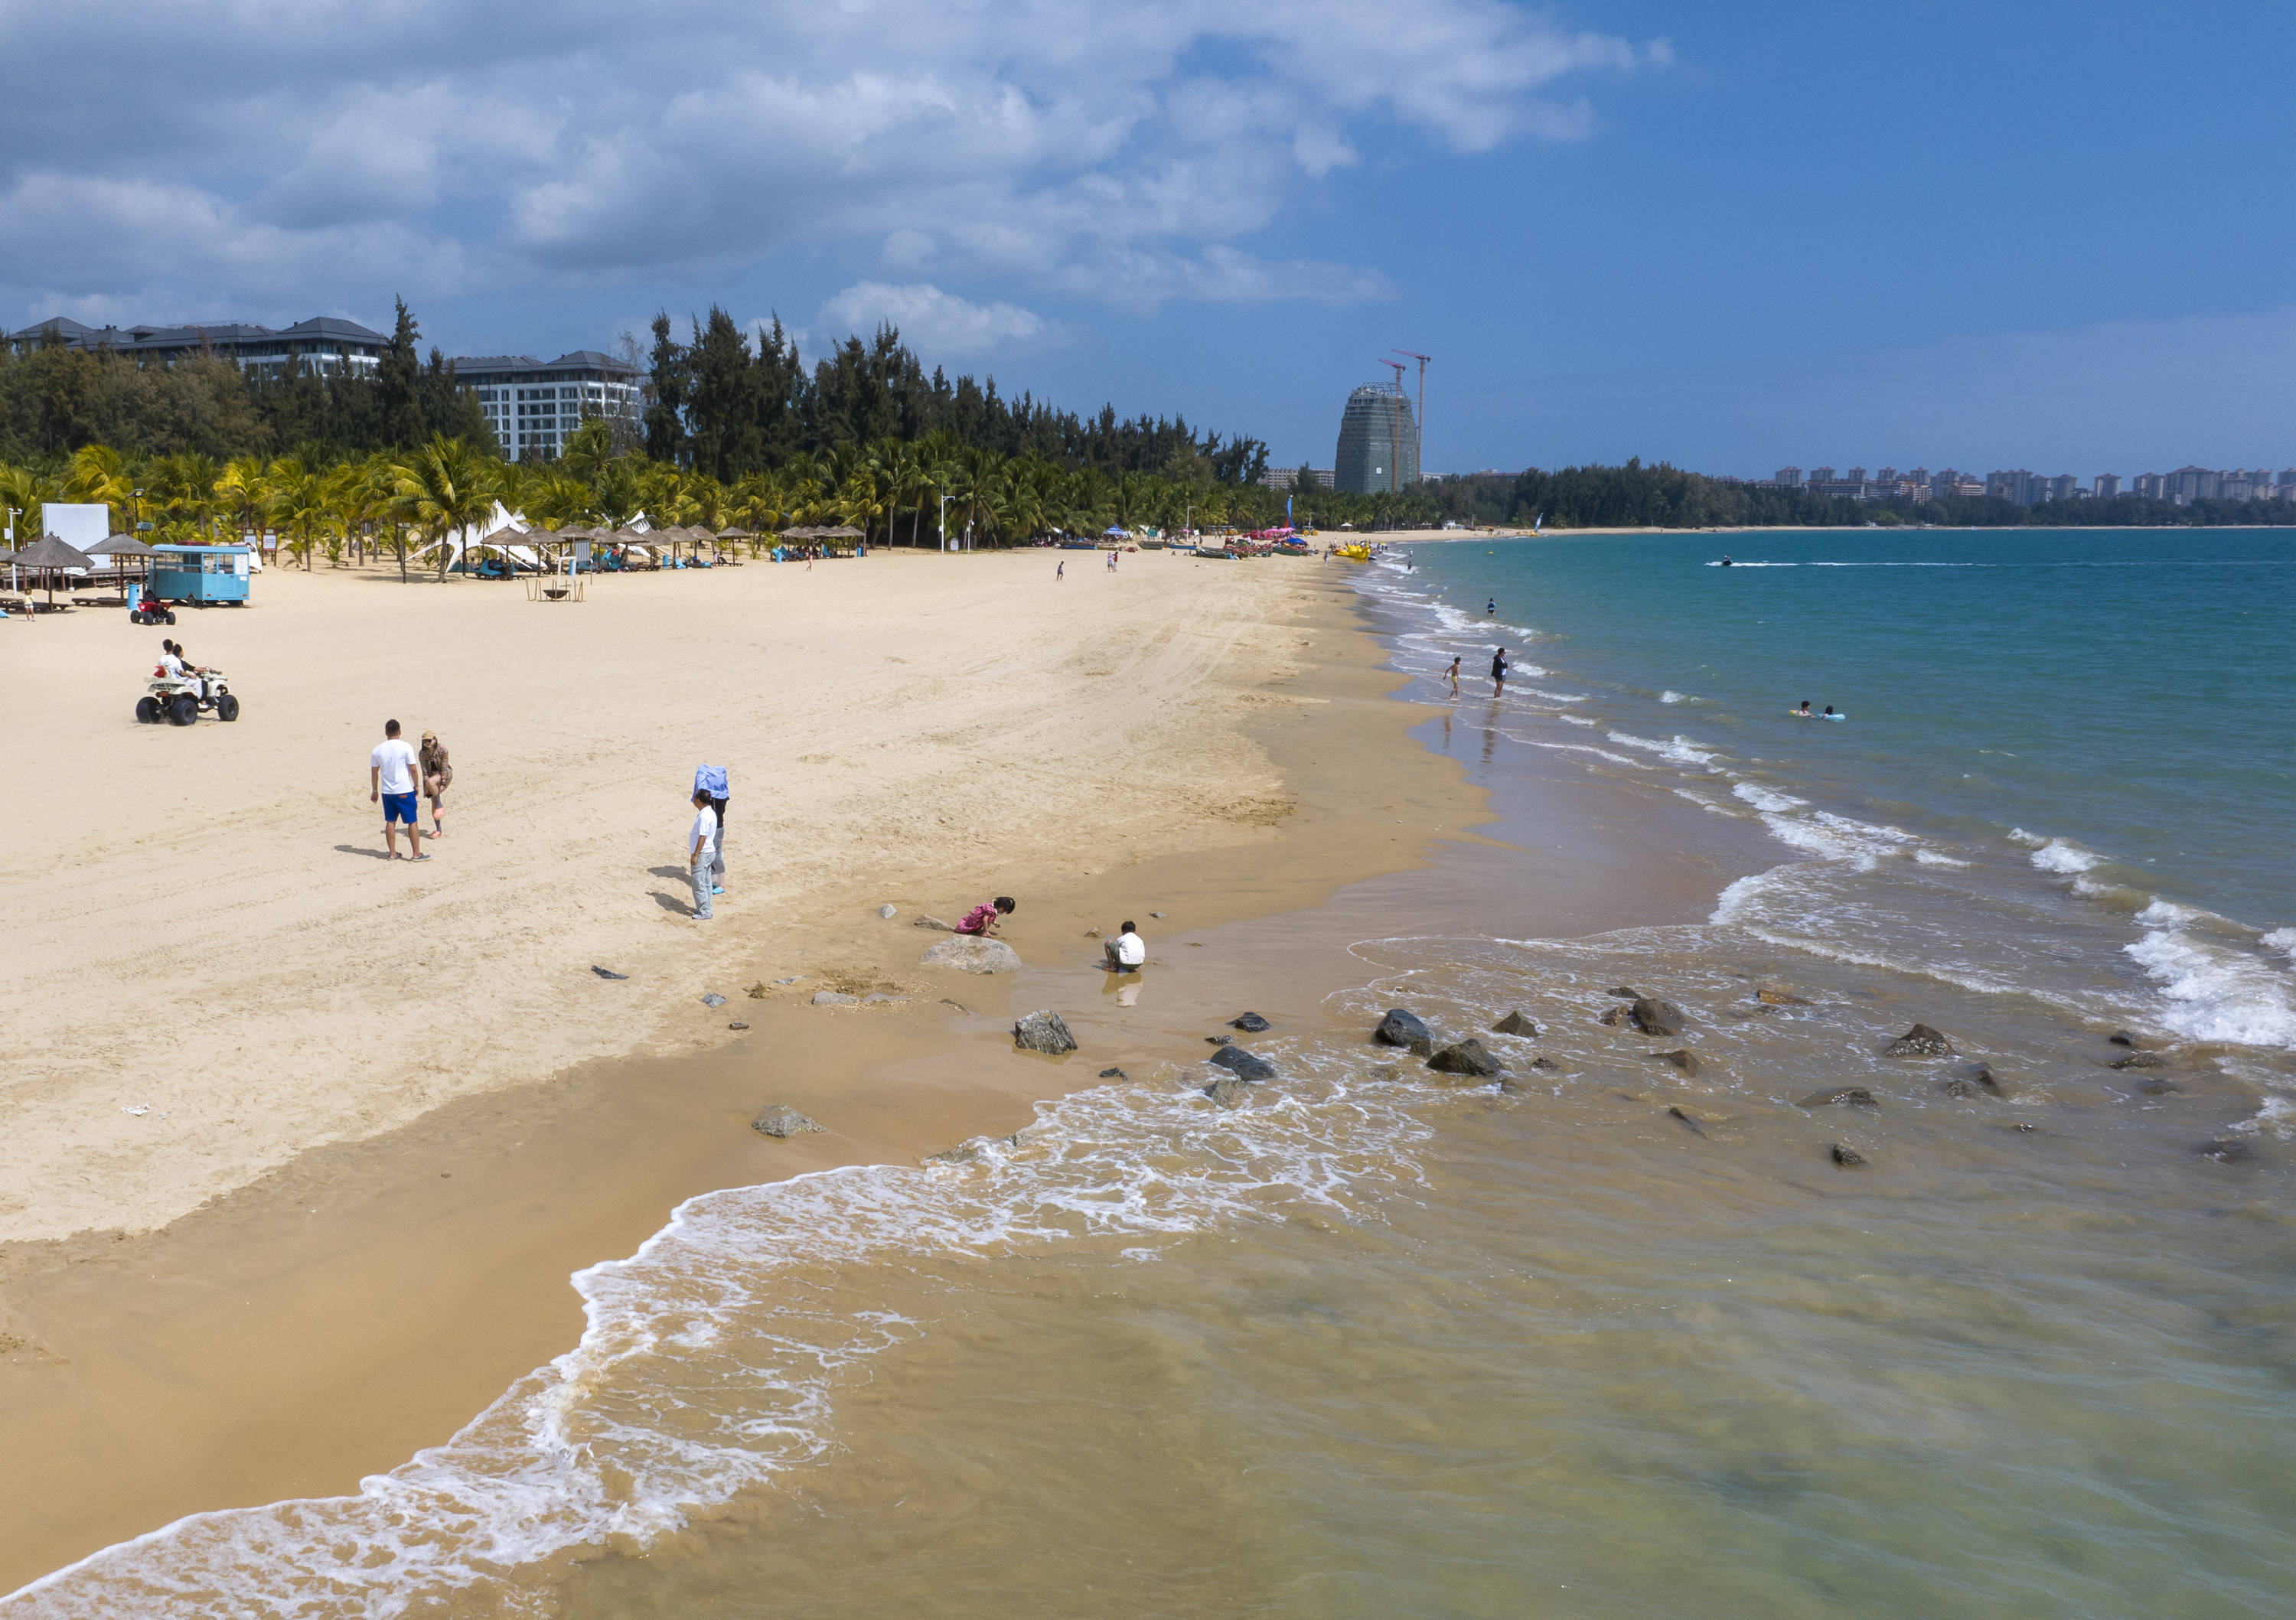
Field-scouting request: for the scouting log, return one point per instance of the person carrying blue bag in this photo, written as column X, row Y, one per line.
column 711, row 780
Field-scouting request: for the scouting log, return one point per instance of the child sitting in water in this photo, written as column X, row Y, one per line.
column 981, row 921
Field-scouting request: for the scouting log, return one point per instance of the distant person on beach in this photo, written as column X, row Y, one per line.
column 700, row 851
column 438, row 776
column 392, row 773
column 1498, row 672
column 981, row 921
column 1061, row 569
column 1454, row 674
column 711, row 780
column 1112, row 562
column 1127, row 952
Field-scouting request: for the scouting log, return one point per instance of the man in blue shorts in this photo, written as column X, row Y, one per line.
column 392, row 773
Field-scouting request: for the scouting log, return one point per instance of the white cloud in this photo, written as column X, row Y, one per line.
column 330, row 149
column 934, row 323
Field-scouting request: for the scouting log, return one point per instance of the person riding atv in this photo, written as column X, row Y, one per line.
column 178, row 691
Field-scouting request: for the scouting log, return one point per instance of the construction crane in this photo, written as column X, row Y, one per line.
column 1395, row 430
column 1420, row 424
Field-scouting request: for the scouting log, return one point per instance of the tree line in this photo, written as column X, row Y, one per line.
column 729, row 403
column 1657, row 496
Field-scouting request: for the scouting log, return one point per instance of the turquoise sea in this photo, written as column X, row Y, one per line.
column 2113, row 707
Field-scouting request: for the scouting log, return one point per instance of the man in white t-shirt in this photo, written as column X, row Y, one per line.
column 702, row 853
column 393, row 774
column 1127, row 952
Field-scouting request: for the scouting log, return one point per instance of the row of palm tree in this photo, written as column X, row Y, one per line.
column 916, row 491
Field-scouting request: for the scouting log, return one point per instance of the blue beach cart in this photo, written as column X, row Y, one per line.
column 200, row 576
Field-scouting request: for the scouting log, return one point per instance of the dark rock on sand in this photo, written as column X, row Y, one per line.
column 737, row 1024
column 1244, row 1065
column 1114, row 1074
column 2121, row 1037
column 1401, row 1029
column 783, row 1122
column 1682, row 1058
column 2226, row 1150
column 930, row 922
column 1251, row 1023
column 1467, row 1057
column 713, row 1000
column 1227, row 1092
column 1656, row 1017
column 1856, row 1096
column 606, row 973
column 1043, row 1031
column 1919, row 1041
column 1515, row 1023
column 971, row 953
column 1847, row 1157
column 2142, row 1059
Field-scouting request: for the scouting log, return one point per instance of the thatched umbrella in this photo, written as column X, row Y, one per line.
column 125, row 545
column 51, row 555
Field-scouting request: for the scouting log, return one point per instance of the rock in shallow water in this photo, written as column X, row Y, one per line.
column 1779, row 998
column 779, row 1121
column 1401, row 1029
column 1847, row 1157
column 1682, row 1058
column 1227, row 1092
column 1653, row 1017
column 1515, row 1023
column 1251, row 1023
column 2226, row 1150
column 1919, row 1041
column 1244, row 1065
column 1114, row 1074
column 1467, row 1057
column 1043, row 1031
column 2142, row 1059
column 969, row 954
column 1854, row 1095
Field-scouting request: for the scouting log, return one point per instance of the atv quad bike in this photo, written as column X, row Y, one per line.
column 175, row 698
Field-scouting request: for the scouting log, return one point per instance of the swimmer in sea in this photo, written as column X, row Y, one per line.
column 1491, row 608
column 1803, row 712
column 1830, row 715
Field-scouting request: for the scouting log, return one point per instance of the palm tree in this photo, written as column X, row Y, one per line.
column 239, row 493
column 23, row 492
column 446, row 487
column 621, row 494
column 185, row 486
column 296, row 502
column 99, row 474
column 588, row 448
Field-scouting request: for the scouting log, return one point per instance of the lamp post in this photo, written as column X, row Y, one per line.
column 944, row 522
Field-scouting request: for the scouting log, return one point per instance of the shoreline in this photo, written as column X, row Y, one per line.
column 369, row 1296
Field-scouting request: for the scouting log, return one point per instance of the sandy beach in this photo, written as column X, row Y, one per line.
column 204, row 927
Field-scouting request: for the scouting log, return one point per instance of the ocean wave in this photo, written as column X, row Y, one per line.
column 1931, row 857
column 1681, row 751
column 1671, row 696
column 2217, row 994
column 711, row 1357
column 2065, row 857
column 1766, row 798
column 2283, row 940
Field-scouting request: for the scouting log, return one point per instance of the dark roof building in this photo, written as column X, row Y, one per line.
column 1379, row 446
column 534, row 405
column 323, row 343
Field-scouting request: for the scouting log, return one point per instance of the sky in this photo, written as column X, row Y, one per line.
column 2048, row 235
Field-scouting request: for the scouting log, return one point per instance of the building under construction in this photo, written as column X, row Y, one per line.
column 1379, row 443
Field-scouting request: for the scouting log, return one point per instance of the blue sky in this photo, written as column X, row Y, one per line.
column 2048, row 235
